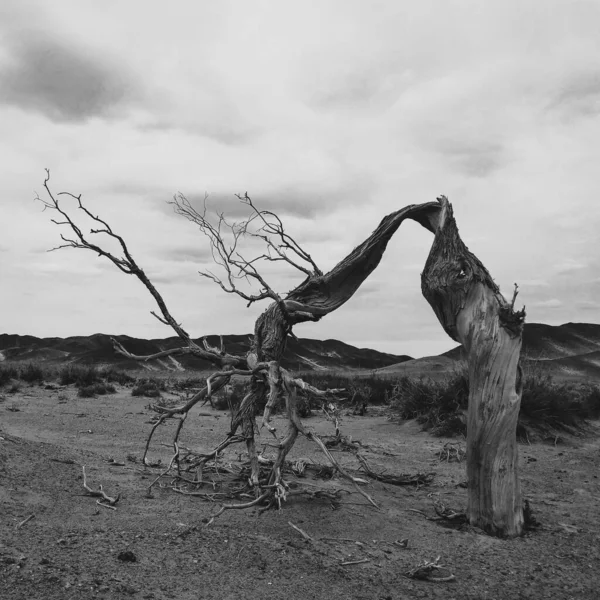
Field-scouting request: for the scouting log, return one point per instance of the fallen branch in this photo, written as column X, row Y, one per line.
column 355, row 562
column 100, row 493
column 447, row 514
column 424, row 572
column 19, row 525
column 355, row 481
column 443, row 514
column 300, row 531
column 403, row 479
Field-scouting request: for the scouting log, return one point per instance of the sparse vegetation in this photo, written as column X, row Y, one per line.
column 89, row 380
column 80, row 375
column 546, row 405
column 14, row 387
column 8, row 373
column 96, row 389
column 113, row 375
column 187, row 383
column 30, row 372
column 438, row 406
column 150, row 388
column 551, row 406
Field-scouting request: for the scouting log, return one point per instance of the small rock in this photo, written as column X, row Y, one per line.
column 127, row 556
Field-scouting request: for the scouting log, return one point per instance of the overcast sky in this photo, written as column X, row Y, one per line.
column 332, row 113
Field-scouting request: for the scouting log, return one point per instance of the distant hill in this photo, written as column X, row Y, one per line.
column 569, row 351
column 301, row 354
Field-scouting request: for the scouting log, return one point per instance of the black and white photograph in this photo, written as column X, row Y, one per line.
column 300, row 299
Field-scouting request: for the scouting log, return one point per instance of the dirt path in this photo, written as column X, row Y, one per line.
column 70, row 548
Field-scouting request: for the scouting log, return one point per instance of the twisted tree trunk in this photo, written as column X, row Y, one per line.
column 472, row 311
column 317, row 296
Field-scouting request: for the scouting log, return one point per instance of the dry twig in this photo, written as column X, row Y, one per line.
column 19, row 525
column 425, row 570
column 300, row 531
column 105, row 500
column 402, row 479
column 355, row 562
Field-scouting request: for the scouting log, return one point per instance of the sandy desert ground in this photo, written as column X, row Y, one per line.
column 70, row 548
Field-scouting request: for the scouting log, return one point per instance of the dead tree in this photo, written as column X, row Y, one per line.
column 472, row 311
column 318, row 295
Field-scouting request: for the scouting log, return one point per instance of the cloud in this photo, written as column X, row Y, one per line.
column 330, row 114
column 569, row 266
column 475, row 158
column 591, row 305
column 62, row 82
column 579, row 95
column 194, row 253
column 533, row 283
column 551, row 303
column 302, row 201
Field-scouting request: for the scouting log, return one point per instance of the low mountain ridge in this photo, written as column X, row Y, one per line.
column 300, row 354
column 569, row 351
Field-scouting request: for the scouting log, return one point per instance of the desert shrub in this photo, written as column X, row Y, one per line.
column 182, row 385
column 546, row 406
column 81, row 375
column 32, row 373
column 112, row 375
column 8, row 373
column 159, row 383
column 437, row 406
column 147, row 388
column 96, row 389
column 14, row 387
column 592, row 401
column 549, row 405
column 362, row 389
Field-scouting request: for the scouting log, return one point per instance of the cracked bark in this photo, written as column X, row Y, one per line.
column 472, row 311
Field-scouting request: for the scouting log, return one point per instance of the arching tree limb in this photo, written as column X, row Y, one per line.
column 320, row 295
column 472, row 311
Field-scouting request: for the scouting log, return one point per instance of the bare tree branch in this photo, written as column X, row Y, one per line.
column 287, row 243
column 227, row 256
column 126, row 264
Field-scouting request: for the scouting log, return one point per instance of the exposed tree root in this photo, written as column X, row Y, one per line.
column 260, row 479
